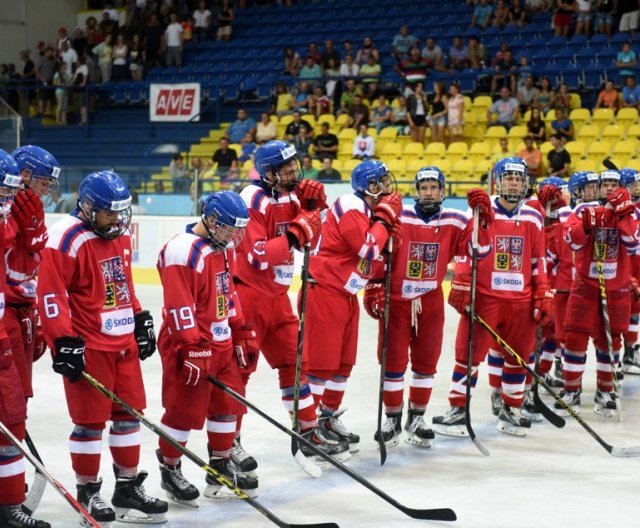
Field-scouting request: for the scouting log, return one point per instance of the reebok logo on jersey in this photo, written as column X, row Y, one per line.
column 195, row 354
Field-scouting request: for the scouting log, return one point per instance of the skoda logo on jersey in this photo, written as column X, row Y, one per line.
column 408, row 288
column 220, row 331
column 108, row 324
column 354, row 284
column 497, row 281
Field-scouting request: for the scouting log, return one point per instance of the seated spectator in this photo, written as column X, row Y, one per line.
column 458, row 55
column 532, row 157
column 292, row 62
column 302, row 99
column 364, row 146
column 328, row 173
column 348, row 96
column 332, row 72
column 319, row 104
column 527, row 94
column 248, row 148
column 562, row 17
column 313, row 53
column 179, row 175
column 329, row 54
column 583, row 19
column 294, row 127
column 240, row 127
column 438, row 118
column 500, row 16
column 402, row 43
column 349, row 68
column 524, row 68
column 506, row 73
column 536, row 127
column 310, row 70
column 626, row 61
column 413, row 70
column 225, row 18
column 563, row 97
column 517, row 14
column 367, row 49
column 455, row 113
column 371, row 92
column 282, row 101
column 359, row 113
column 503, row 150
column 226, row 159
column 302, row 142
column 309, row 171
column 199, row 171
column 562, row 125
column 325, row 144
column 266, row 129
column 418, row 107
column 608, row 97
column 432, row 52
column 506, row 109
column 347, row 48
column 606, row 10
column 558, row 159
column 400, row 117
column 382, row 114
column 631, row 94
column 371, row 71
column 477, row 53
column 545, row 100
column 481, row 15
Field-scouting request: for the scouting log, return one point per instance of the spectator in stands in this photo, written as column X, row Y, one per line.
column 562, row 17
column 325, row 144
column 432, row 52
column 628, row 11
column 477, row 53
column 62, row 80
column 631, row 93
column 136, row 58
column 583, row 19
column 606, row 10
column 294, row 127
column 500, row 16
column 532, row 156
column 536, row 127
column 302, row 142
column 104, row 52
column 309, row 171
column 302, row 98
column 563, row 97
column 202, row 22
column 45, row 72
column 438, row 118
column 111, row 12
column 382, row 114
column 328, row 173
column 179, row 174
column 319, row 104
column 347, row 48
column 80, row 79
column 292, row 62
column 80, row 43
column 247, row 148
column 402, row 43
column 240, row 127
column 226, row 159
column 517, row 14
column 313, row 53
column 400, row 116
column 311, row 70
column 107, row 26
column 371, row 71
column 481, row 15
column 225, row 17
column 458, row 55
column 136, row 208
column 329, row 53
column 562, row 125
column 418, row 109
column 153, row 41
column 527, row 94
column 349, row 68
column 282, row 101
column 413, row 70
column 91, row 31
column 348, row 96
column 120, row 53
column 199, row 171
column 173, row 42
column 503, row 150
column 455, row 113
column 626, row 61
column 608, row 97
column 367, row 49
column 358, row 113
column 545, row 100
column 69, row 55
column 558, row 159
column 506, row 108
column 332, row 72
column 364, row 146
column 506, row 73
column 266, row 129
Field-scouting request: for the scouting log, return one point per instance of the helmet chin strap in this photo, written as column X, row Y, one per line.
column 428, row 207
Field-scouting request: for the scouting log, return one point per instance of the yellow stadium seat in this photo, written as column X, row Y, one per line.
column 545, row 148
column 350, row 164
column 388, row 133
column 482, row 167
column 457, row 150
column 285, row 120
column 345, row 150
column 479, row 151
column 462, row 170
column 612, row 132
column 397, row 167
column 337, row 164
column 598, row 150
column 575, row 101
column 482, row 101
column 413, row 166
column 627, row 115
column 624, row 150
column 602, row 117
column 633, row 132
column 327, row 118
column 579, row 117
column 634, row 164
column 494, row 134
column 216, row 134
column 584, row 165
column 413, row 150
column 347, row 134
column 435, row 149
column 406, row 188
column 549, row 116
column 576, row 149
column 391, row 150
column 588, row 134
column 517, row 132
column 444, row 165
column 343, row 120
column 469, row 115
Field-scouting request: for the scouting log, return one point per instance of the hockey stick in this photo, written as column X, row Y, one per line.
column 383, row 355
column 609, row 164
column 539, row 405
column 305, row 463
column 219, row 477
column 623, row 452
column 59, row 487
column 39, row 481
column 435, row 514
column 472, row 312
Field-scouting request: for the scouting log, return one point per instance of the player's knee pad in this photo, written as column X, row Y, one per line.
column 423, row 368
column 123, row 416
column 125, row 426
column 8, row 451
column 601, row 343
column 89, row 430
column 576, row 341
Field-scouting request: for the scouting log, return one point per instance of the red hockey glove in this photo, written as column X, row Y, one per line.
column 635, row 289
column 552, row 196
column 245, row 345
column 388, row 209
column 543, row 305
column 396, row 235
column 478, row 198
column 311, row 195
column 593, row 217
column 305, row 227
column 374, row 299
column 550, row 238
column 28, row 211
column 39, row 345
column 620, row 200
column 460, row 294
column 195, row 364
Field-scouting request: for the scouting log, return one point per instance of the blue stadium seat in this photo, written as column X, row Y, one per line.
column 556, row 42
column 619, row 38
column 592, row 78
column 578, row 41
column 572, row 76
column 598, row 41
column 563, row 55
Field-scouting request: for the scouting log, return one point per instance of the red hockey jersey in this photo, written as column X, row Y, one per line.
column 22, row 262
column 562, row 269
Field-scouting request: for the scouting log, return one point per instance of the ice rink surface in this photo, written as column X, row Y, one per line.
column 551, row 478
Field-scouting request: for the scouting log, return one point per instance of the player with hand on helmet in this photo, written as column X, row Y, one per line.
column 92, row 320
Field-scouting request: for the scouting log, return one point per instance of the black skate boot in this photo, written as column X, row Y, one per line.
column 452, row 423
column 15, row 517
column 178, row 488
column 529, row 409
column 510, row 421
column 243, row 460
column 418, row 434
column 224, row 466
column 326, row 441
column 333, row 424
column 133, row 505
column 571, row 398
column 605, row 404
column 391, row 429
column 631, row 360
column 496, row 403
column 558, row 373
column 89, row 496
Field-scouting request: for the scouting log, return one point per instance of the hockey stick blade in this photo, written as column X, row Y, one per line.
column 436, row 514
column 625, row 452
column 609, row 164
column 549, row 415
column 39, row 481
column 311, row 469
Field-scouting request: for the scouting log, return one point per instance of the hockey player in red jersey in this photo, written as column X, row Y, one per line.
column 614, row 230
column 13, row 405
column 285, row 215
column 431, row 236
column 353, row 236
column 91, row 318
column 200, row 314
column 513, row 296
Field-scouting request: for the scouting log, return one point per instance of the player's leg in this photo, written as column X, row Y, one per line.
column 495, row 363
column 631, row 360
column 20, row 325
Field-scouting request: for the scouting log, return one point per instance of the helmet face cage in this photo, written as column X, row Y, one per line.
column 430, row 174
column 105, row 202
column 274, row 160
column 42, row 170
column 223, row 236
column 112, row 230
column 511, row 167
column 610, row 176
column 631, row 180
column 10, row 181
column 372, row 178
column 45, row 187
column 292, row 164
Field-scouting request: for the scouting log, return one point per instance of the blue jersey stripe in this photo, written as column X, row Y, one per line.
column 68, row 238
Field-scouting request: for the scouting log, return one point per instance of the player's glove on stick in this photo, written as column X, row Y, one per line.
column 388, row 209
column 145, row 334
column 593, row 217
column 28, row 211
column 39, row 345
column 311, row 195
column 460, row 294
column 552, row 196
column 305, row 228
column 69, row 357
column 479, row 199
column 245, row 345
column 374, row 299
column 620, row 201
column 195, row 364
column 543, row 305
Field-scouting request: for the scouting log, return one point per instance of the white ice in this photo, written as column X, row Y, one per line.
column 551, row 478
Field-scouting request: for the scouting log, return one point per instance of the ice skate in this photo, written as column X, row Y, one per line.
column 496, row 403
column 178, row 488
column 551, row 381
column 605, row 404
column 529, row 409
column 326, row 441
column 558, row 373
column 224, row 466
column 133, row 505
column 15, row 517
column 511, row 421
column 391, row 429
column 452, row 423
column 333, row 424
column 418, row 434
column 571, row 398
column 631, row 360
column 243, row 461
column 89, row 496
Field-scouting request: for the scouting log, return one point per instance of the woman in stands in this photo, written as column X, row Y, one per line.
column 546, row 98
column 292, row 62
column 438, row 117
column 418, row 109
column 536, row 126
column 455, row 113
column 399, row 117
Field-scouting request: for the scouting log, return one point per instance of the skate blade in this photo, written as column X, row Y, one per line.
column 340, row 457
column 83, row 522
column 450, row 430
column 533, row 417
column 214, row 491
column 190, row 503
column 563, row 412
column 354, row 448
column 604, row 412
column 423, row 443
column 510, row 429
column 631, row 369
column 129, row 515
column 389, row 443
column 308, row 466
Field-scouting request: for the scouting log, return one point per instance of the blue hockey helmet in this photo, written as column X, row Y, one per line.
column 371, row 172
column 507, row 167
column 631, row 180
column 105, row 191
column 225, row 217
column 270, row 162
column 553, row 180
column 430, row 205
column 576, row 182
column 10, row 180
column 40, row 169
column 608, row 175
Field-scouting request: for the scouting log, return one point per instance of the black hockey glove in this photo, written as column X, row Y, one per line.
column 145, row 334
column 69, row 358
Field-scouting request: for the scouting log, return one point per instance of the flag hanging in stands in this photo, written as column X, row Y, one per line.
column 174, row 102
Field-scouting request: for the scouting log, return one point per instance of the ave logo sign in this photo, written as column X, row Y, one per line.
column 174, row 102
